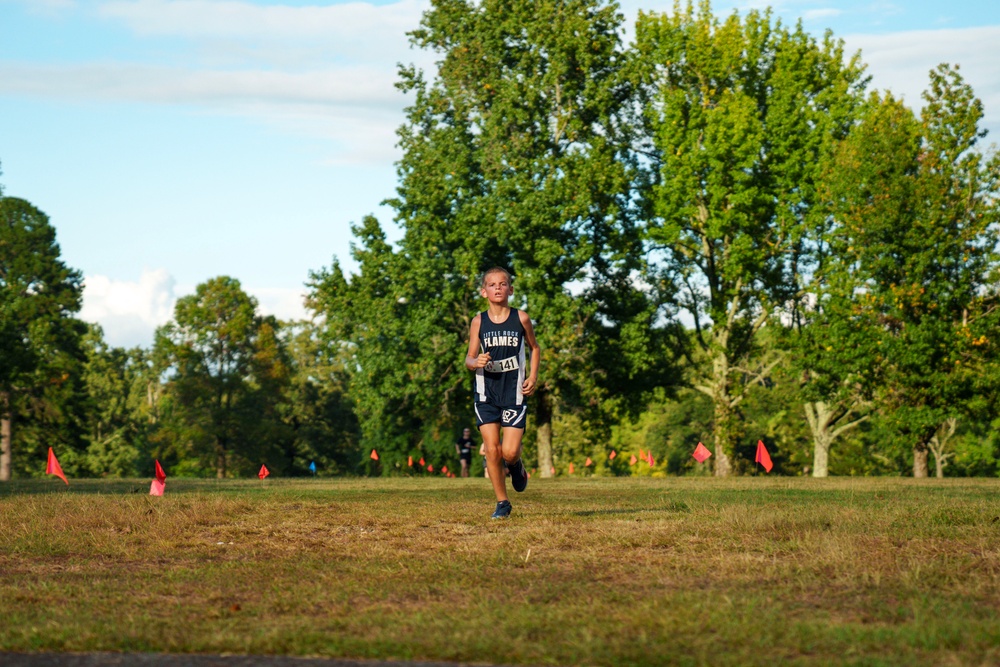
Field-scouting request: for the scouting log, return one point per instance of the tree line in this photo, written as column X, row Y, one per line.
column 720, row 232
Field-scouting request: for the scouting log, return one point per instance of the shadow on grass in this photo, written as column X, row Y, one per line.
column 28, row 487
column 346, row 487
column 679, row 506
column 24, row 487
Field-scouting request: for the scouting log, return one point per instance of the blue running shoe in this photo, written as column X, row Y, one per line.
column 518, row 476
column 502, row 511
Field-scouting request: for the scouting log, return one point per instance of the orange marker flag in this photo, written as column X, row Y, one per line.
column 588, row 463
column 553, row 470
column 264, row 472
column 445, row 470
column 374, row 455
column 613, row 454
column 53, row 467
column 409, row 461
column 159, row 483
column 632, row 461
column 701, row 453
column 571, row 468
column 430, row 468
column 642, row 455
column 763, row 457
column 650, row 460
column 422, row 461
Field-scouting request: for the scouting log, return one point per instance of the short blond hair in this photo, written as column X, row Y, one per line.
column 496, row 269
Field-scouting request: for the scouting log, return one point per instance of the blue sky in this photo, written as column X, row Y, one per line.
column 175, row 140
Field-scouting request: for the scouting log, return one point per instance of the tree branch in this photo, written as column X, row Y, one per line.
column 846, row 427
column 733, row 306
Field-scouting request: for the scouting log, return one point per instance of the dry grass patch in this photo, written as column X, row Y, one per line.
column 589, row 571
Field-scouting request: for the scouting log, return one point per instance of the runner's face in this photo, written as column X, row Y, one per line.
column 497, row 288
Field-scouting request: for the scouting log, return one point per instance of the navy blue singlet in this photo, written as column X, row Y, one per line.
column 500, row 382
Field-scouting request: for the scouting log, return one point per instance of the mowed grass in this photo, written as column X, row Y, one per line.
column 748, row 571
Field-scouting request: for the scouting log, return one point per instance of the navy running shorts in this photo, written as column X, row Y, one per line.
column 515, row 416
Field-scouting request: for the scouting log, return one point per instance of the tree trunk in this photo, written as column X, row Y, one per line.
column 543, row 438
column 151, row 398
column 725, row 416
column 220, row 459
column 723, row 467
column 827, row 422
column 818, row 416
column 821, row 456
column 6, row 432
column 920, row 460
column 939, row 442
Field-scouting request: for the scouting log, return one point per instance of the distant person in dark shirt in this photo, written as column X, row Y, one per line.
column 464, row 448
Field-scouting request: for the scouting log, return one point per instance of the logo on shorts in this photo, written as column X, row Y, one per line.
column 508, row 415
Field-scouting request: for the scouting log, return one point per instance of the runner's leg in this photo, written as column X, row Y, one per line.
column 511, row 446
column 494, row 459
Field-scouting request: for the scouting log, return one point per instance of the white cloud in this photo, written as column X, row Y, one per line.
column 327, row 72
column 51, row 8
column 901, row 61
column 355, row 106
column 129, row 311
column 285, row 304
column 816, row 14
column 232, row 31
column 883, row 8
column 350, row 22
column 339, row 87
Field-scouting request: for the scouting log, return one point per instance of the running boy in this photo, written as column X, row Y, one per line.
column 497, row 341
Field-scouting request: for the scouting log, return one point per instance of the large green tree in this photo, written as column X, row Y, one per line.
column 837, row 368
column 317, row 404
column 117, row 384
column 832, row 344
column 738, row 113
column 226, row 370
column 40, row 351
column 915, row 202
column 513, row 155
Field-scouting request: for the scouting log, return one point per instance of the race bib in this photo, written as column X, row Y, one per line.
column 502, row 365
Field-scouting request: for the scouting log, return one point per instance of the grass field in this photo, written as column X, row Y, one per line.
column 749, row 571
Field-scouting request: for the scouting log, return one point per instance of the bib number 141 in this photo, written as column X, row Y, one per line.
column 502, row 365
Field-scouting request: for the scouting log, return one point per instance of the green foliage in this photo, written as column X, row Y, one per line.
column 317, row 406
column 914, row 204
column 737, row 114
column 117, row 383
column 513, row 155
column 670, row 428
column 40, row 354
column 837, row 258
column 226, row 369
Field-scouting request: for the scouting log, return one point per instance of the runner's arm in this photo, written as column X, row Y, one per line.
column 473, row 359
column 530, row 382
